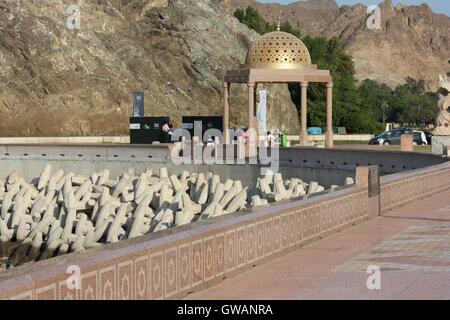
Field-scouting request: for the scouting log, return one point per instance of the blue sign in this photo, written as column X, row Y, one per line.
column 138, row 105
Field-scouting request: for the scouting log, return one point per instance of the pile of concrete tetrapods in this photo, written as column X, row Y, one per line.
column 62, row 212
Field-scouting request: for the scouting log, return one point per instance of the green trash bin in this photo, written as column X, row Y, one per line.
column 284, row 140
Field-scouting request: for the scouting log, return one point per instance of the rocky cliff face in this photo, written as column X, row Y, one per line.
column 59, row 81
column 413, row 40
column 310, row 15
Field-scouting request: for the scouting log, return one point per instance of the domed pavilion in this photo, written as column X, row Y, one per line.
column 279, row 57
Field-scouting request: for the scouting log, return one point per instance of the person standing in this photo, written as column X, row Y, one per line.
column 171, row 133
column 165, row 132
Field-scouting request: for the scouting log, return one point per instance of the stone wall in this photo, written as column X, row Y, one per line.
column 329, row 167
column 400, row 189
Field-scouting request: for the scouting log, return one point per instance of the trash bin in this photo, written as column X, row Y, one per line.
column 284, row 140
column 314, row 131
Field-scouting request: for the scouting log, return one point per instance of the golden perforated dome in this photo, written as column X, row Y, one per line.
column 278, row 50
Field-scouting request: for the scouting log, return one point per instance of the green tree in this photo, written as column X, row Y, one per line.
column 348, row 108
column 254, row 20
column 412, row 105
column 376, row 98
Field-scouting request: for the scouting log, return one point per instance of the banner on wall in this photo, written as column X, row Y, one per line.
column 262, row 112
column 138, row 105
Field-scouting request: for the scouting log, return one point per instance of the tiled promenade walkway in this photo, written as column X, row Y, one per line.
column 411, row 246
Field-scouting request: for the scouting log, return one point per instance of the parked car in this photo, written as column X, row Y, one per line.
column 419, row 138
column 393, row 137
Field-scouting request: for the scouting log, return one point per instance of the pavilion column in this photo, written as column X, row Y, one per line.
column 251, row 106
column 304, row 115
column 226, row 112
column 329, row 133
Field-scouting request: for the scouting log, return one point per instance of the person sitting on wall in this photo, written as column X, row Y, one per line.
column 270, row 138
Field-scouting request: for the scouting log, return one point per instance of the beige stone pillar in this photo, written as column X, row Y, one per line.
column 406, row 143
column 369, row 179
column 226, row 112
column 329, row 132
column 304, row 115
column 251, row 106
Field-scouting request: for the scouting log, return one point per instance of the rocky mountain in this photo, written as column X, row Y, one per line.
column 413, row 40
column 309, row 15
column 58, row 79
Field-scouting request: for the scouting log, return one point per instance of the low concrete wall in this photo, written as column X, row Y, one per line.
column 64, row 140
column 329, row 167
column 31, row 168
column 74, row 151
column 388, row 162
column 175, row 262
column 440, row 145
column 403, row 188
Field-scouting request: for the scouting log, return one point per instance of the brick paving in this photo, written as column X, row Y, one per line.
column 410, row 245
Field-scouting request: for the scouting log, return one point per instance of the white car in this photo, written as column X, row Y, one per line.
column 419, row 135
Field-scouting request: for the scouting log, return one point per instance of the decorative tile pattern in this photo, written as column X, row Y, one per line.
column 300, row 227
column 277, row 233
column 89, row 286
column 108, row 283
column 219, row 250
column 171, row 272
column 292, row 229
column 142, row 286
column 284, row 231
column 269, row 236
column 184, row 267
column 260, row 240
column 126, row 281
column 251, row 243
column 197, row 262
column 209, row 258
column 230, row 250
column 156, row 275
column 241, row 238
column 405, row 190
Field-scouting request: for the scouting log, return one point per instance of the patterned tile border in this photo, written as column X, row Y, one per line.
column 406, row 187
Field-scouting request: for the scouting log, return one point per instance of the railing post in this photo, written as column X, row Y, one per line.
column 369, row 178
column 406, row 143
